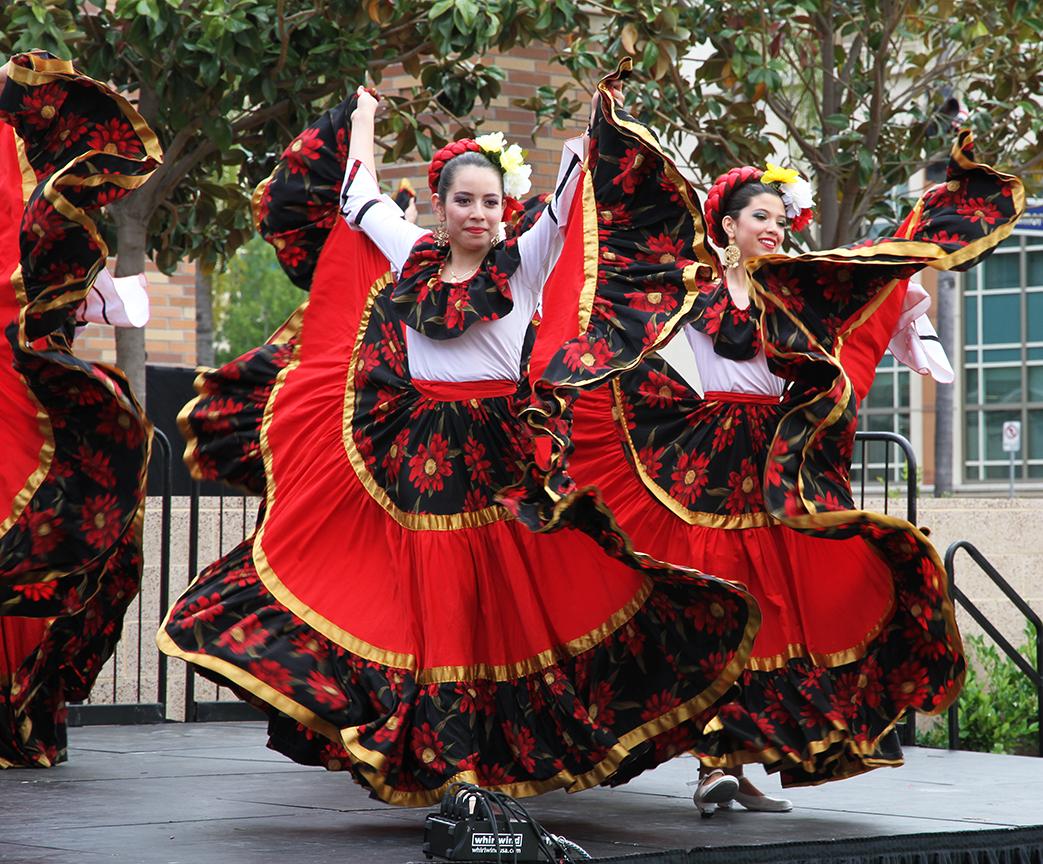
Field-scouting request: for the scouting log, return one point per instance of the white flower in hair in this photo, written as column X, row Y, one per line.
column 511, row 160
column 795, row 190
column 516, row 182
column 799, row 194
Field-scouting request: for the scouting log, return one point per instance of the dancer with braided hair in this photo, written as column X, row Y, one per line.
column 750, row 480
column 391, row 618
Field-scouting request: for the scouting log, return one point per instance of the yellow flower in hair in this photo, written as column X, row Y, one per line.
column 774, row 174
column 494, row 142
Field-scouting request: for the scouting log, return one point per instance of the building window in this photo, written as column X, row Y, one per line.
column 885, row 409
column 1003, row 359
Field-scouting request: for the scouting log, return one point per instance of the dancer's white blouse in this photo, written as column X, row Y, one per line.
column 487, row 350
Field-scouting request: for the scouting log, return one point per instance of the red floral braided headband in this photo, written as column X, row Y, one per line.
column 794, row 190
column 510, row 160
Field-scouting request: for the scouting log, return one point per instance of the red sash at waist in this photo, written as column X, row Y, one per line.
column 460, row 391
column 740, row 398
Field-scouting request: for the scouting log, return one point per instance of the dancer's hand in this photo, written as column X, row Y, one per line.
column 366, row 106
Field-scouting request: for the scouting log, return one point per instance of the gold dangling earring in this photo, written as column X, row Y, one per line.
column 731, row 255
column 441, row 235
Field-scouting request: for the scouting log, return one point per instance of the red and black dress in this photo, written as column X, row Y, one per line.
column 75, row 442
column 750, row 481
column 390, row 616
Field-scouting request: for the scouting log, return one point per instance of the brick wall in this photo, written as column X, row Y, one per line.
column 170, row 335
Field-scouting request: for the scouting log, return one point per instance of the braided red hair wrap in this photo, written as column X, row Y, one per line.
column 718, row 196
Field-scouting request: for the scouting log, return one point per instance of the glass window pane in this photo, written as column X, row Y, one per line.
column 903, row 390
column 970, row 443
column 970, row 279
column 1002, row 271
column 970, row 387
column 1035, row 376
column 1034, row 268
column 905, row 428
column 970, row 320
column 994, row 421
column 878, row 423
column 886, row 362
column 1001, row 318
column 1001, row 355
column 1002, row 384
column 1001, row 472
column 1034, row 311
column 882, row 393
column 1033, row 440
column 1035, row 353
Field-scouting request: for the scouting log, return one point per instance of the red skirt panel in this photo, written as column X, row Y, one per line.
column 820, row 598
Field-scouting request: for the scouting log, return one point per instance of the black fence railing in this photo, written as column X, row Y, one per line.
column 906, row 449
column 1034, row 675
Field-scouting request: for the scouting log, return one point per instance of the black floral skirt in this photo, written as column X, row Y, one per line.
column 75, row 442
column 70, row 560
column 395, row 621
column 857, row 623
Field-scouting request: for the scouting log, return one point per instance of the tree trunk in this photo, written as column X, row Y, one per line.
column 204, row 317
column 130, row 341
column 828, row 190
column 943, row 399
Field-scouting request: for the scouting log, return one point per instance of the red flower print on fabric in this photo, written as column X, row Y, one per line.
column 689, row 477
column 660, row 391
column 430, row 465
column 115, row 136
column 633, row 166
column 658, row 298
column 305, row 148
column 980, row 210
column 586, row 354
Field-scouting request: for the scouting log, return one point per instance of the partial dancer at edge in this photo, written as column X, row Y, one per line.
column 750, row 480
column 75, row 442
column 390, row 617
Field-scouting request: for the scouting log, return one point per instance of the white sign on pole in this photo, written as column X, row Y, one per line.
column 1011, row 436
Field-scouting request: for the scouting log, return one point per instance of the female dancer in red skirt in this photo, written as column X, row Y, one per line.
column 750, row 480
column 75, row 442
column 392, row 619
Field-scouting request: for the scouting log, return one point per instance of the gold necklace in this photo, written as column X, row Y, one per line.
column 456, row 279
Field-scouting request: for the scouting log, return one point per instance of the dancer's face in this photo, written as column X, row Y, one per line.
column 760, row 227
column 472, row 208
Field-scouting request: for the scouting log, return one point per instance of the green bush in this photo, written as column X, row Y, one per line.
column 998, row 704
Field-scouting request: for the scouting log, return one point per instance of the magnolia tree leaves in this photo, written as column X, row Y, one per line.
column 854, row 93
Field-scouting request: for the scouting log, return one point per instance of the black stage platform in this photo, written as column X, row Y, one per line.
column 212, row 794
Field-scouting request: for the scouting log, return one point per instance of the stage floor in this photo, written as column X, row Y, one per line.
column 205, row 793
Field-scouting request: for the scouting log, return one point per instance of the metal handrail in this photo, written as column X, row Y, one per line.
column 1034, row 675
column 910, row 460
